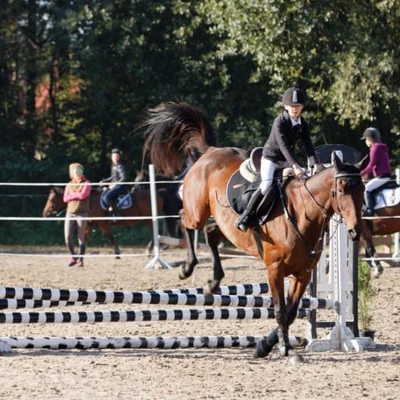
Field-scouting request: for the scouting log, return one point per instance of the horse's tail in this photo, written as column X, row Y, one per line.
column 174, row 132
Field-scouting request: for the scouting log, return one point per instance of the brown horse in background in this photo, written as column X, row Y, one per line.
column 381, row 225
column 290, row 242
column 141, row 207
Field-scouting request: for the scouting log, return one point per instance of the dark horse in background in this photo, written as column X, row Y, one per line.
column 141, row 207
column 381, row 224
column 167, row 188
column 287, row 246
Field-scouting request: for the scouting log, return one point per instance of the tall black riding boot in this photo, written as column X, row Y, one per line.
column 246, row 218
column 369, row 203
column 369, row 210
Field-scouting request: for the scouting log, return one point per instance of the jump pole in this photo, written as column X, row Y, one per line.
column 110, row 296
column 133, row 342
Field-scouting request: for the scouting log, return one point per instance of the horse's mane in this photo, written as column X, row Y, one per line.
column 173, row 131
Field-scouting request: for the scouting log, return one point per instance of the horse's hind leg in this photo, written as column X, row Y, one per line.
column 370, row 252
column 105, row 228
column 213, row 236
column 191, row 261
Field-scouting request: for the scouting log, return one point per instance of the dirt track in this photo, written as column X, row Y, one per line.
column 186, row 373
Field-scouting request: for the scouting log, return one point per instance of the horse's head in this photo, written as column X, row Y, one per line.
column 54, row 203
column 348, row 194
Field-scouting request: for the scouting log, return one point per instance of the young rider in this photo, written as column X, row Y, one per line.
column 278, row 150
column 118, row 176
column 379, row 166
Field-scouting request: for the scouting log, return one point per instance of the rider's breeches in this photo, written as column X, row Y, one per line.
column 375, row 183
column 112, row 194
column 75, row 223
column 267, row 174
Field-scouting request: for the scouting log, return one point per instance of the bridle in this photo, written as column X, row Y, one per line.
column 334, row 190
column 314, row 250
column 53, row 206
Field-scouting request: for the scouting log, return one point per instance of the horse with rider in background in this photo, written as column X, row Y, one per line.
column 382, row 197
column 138, row 205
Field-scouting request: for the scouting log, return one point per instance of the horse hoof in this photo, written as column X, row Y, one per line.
column 377, row 272
column 183, row 274
column 302, row 342
column 210, row 288
column 295, row 359
column 207, row 291
column 262, row 349
column 117, row 257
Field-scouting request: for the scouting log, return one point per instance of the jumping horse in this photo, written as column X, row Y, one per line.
column 141, row 207
column 291, row 238
column 387, row 206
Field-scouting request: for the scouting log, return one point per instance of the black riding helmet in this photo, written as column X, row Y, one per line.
column 294, row 97
column 116, row 150
column 372, row 133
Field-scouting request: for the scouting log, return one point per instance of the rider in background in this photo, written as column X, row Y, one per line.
column 76, row 195
column 278, row 150
column 118, row 176
column 379, row 166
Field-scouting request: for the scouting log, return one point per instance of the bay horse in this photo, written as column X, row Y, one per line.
column 141, row 207
column 381, row 224
column 291, row 239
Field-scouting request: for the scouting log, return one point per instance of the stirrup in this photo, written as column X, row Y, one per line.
column 241, row 227
column 242, row 223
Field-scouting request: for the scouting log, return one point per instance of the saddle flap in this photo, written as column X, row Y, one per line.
column 123, row 201
column 239, row 191
column 388, row 197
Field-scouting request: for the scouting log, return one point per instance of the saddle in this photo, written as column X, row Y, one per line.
column 246, row 180
column 123, row 201
column 387, row 195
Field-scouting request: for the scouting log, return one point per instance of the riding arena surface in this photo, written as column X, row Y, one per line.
column 227, row 373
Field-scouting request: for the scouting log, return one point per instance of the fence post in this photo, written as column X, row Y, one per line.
column 153, row 194
column 396, row 235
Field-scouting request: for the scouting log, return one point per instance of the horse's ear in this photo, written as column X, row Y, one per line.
column 363, row 163
column 336, row 161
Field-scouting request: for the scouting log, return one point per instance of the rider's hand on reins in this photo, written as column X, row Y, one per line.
column 298, row 171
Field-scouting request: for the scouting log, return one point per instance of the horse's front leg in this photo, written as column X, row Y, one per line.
column 213, row 237
column 281, row 333
column 370, row 253
column 106, row 229
column 191, row 260
column 285, row 314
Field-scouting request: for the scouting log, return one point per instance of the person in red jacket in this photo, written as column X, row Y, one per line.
column 378, row 166
column 76, row 195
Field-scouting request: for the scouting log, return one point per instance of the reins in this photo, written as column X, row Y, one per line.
column 312, row 250
column 334, row 191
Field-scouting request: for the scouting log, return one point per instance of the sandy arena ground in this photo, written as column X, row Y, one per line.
column 186, row 373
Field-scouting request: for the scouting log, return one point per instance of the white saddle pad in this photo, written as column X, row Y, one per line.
column 387, row 198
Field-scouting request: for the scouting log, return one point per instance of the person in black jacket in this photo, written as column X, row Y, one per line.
column 278, row 151
column 118, row 176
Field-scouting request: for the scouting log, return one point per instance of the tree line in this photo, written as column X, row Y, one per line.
column 76, row 78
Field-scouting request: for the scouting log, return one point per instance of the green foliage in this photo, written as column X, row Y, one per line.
column 77, row 77
column 365, row 295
